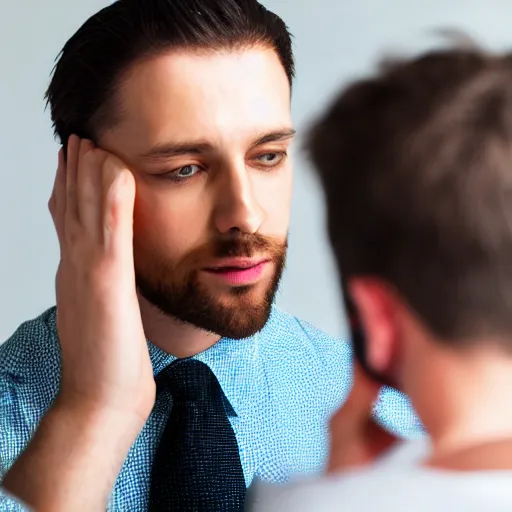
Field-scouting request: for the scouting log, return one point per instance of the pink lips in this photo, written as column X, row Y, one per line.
column 240, row 273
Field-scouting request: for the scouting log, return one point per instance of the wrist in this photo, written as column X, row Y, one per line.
column 100, row 421
column 74, row 458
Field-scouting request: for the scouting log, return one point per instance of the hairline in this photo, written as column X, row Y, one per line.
column 110, row 113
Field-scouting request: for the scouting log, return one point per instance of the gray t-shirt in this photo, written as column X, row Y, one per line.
column 397, row 483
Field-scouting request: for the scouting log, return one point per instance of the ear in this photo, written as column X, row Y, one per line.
column 377, row 307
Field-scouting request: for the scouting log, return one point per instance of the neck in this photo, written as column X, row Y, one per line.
column 171, row 335
column 464, row 400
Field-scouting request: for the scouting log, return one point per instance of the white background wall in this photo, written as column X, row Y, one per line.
column 335, row 41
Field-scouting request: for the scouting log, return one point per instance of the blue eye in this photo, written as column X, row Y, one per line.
column 181, row 174
column 270, row 160
column 186, row 172
column 269, row 157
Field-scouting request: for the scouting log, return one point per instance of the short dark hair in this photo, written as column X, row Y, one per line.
column 416, row 164
column 82, row 90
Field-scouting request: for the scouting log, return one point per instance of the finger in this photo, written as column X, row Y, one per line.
column 360, row 448
column 71, row 172
column 57, row 203
column 359, row 404
column 88, row 187
column 364, row 388
column 119, row 198
column 378, row 438
column 51, row 201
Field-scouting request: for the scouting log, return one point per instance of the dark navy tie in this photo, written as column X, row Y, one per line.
column 197, row 465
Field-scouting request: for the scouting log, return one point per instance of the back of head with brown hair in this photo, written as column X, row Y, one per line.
column 416, row 164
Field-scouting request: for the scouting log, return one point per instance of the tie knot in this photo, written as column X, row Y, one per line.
column 188, row 380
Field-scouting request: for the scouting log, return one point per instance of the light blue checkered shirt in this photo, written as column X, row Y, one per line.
column 283, row 384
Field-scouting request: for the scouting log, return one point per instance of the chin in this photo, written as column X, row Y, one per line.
column 235, row 312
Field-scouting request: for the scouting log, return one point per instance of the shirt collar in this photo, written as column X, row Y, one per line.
column 231, row 361
column 235, row 363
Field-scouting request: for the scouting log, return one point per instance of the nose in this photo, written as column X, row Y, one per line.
column 237, row 207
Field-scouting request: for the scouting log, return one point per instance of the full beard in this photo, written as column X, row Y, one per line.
column 177, row 291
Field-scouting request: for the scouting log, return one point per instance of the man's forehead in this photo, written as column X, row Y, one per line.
column 176, row 98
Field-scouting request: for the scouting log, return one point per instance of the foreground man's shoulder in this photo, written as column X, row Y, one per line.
column 347, row 490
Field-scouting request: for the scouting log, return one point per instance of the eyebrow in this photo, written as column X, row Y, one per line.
column 174, row 149
column 276, row 136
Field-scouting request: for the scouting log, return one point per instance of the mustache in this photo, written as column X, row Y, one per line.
column 244, row 245
column 232, row 245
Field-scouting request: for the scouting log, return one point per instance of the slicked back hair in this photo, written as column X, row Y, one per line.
column 82, row 92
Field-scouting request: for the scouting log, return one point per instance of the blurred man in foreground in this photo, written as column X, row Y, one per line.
column 416, row 163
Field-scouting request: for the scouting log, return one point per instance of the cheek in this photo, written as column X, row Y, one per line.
column 164, row 225
column 274, row 193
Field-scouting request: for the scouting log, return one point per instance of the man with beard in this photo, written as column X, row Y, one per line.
column 165, row 379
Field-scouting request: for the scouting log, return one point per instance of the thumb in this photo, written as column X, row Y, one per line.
column 356, row 439
column 359, row 404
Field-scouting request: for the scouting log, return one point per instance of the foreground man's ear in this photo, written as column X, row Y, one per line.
column 377, row 308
